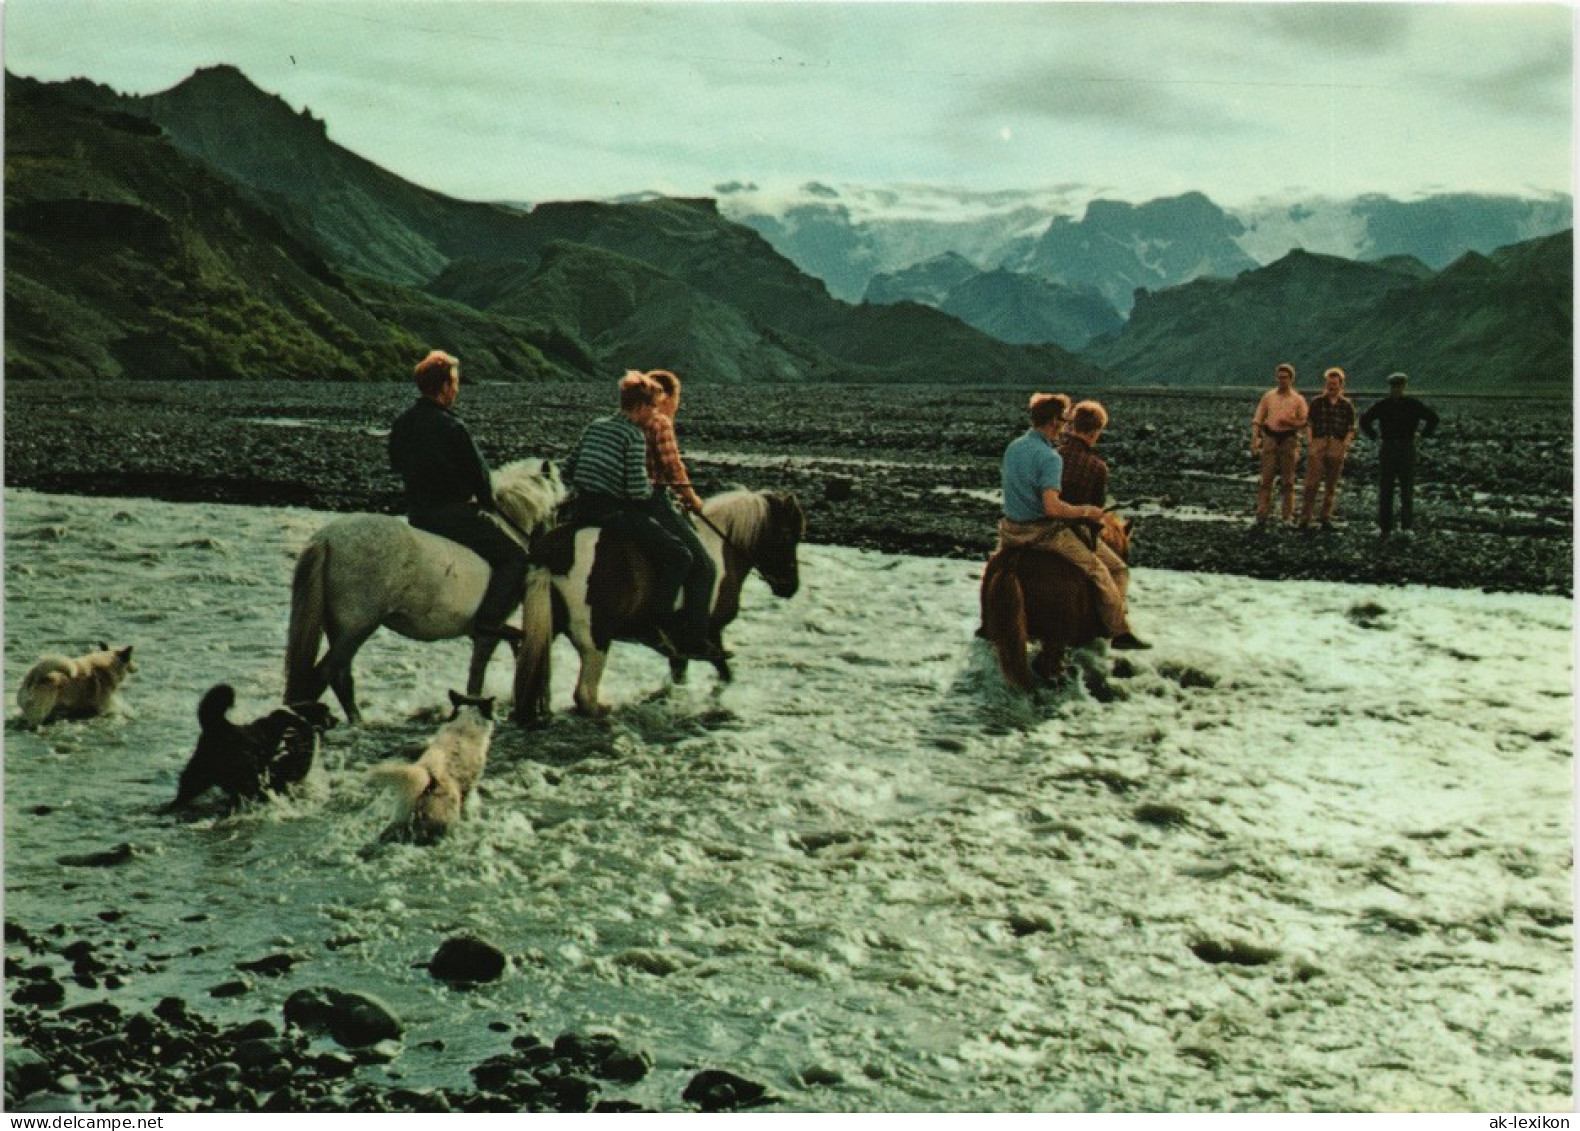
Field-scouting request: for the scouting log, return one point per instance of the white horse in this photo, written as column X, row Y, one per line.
column 602, row 588
column 367, row 571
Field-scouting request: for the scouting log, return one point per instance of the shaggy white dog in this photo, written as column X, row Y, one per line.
column 59, row 687
column 431, row 792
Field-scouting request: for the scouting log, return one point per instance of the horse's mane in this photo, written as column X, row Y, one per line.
column 528, row 491
column 739, row 513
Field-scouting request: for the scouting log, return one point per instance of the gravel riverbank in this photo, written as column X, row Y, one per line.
column 900, row 469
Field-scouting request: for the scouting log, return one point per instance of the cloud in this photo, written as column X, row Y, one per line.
column 1539, row 85
column 1362, row 29
column 1131, row 98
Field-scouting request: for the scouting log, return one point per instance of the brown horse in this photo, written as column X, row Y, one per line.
column 1032, row 594
column 597, row 588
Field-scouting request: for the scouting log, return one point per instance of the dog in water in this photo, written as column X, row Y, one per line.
column 268, row 755
column 58, row 687
column 431, row 792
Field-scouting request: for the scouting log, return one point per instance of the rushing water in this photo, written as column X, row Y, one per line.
column 1314, row 854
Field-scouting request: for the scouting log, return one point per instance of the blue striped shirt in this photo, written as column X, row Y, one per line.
column 610, row 460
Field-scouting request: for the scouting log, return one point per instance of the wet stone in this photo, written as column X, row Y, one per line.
column 224, row 1072
column 381, row 1052
column 466, row 961
column 25, row 1072
column 334, row 1064
column 353, row 1020
column 260, row 1053
column 51, row 1101
column 92, row 1011
column 625, row 1067
column 570, row 1093
column 39, row 993
column 258, row 1029
column 106, row 1050
column 1161, row 816
column 171, row 1009
column 713, row 1089
column 270, row 966
column 174, row 1050
column 108, row 858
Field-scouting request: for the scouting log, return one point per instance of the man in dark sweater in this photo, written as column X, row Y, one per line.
column 449, row 491
column 1398, row 416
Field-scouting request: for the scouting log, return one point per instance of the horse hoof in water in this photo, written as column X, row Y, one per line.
column 591, row 709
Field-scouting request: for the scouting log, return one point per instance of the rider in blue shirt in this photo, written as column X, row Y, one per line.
column 1035, row 514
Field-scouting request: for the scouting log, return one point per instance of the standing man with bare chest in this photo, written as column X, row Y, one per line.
column 1275, row 436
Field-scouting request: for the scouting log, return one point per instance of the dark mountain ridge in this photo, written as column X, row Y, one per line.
column 1503, row 322
column 361, row 221
column 211, row 230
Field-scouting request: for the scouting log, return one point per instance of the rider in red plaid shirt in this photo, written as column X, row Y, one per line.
column 667, row 471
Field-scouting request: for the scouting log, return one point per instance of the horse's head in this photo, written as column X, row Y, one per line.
column 1116, row 532
column 782, row 532
column 766, row 527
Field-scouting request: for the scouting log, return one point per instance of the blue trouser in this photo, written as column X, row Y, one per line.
column 698, row 583
column 507, row 561
column 675, row 564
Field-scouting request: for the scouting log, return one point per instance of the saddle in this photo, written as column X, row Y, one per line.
column 556, row 550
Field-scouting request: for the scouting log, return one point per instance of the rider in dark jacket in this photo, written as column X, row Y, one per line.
column 448, row 490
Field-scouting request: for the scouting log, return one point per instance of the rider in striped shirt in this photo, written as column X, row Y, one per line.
column 608, row 476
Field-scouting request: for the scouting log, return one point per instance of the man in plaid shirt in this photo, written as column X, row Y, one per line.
column 1086, row 478
column 1330, row 424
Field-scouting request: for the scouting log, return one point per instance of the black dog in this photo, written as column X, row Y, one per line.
column 268, row 754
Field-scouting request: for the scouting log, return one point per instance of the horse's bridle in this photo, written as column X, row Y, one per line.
column 753, row 560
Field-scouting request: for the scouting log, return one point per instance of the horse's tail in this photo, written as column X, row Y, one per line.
column 307, row 624
column 1004, row 623
column 537, row 638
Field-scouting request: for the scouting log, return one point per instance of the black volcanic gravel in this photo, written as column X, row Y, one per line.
column 909, row 469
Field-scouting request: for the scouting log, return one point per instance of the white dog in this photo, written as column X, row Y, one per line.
column 431, row 791
column 58, row 687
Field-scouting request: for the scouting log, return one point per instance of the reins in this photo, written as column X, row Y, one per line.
column 752, row 559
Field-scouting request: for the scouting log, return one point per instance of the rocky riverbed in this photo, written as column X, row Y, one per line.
column 909, row 469
column 94, row 1056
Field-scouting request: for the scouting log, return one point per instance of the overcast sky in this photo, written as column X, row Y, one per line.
column 504, row 99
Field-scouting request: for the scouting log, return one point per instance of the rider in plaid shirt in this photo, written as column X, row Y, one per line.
column 672, row 484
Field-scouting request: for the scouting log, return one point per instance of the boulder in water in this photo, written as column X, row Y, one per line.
column 467, row 961
column 353, row 1020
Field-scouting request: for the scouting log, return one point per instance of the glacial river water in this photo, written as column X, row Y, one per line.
column 1313, row 853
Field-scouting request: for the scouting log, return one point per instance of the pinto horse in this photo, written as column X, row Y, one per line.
column 367, row 571
column 600, row 590
column 1032, row 594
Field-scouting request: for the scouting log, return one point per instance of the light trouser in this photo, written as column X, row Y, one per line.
column 1278, row 459
column 1324, row 465
column 1106, row 568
